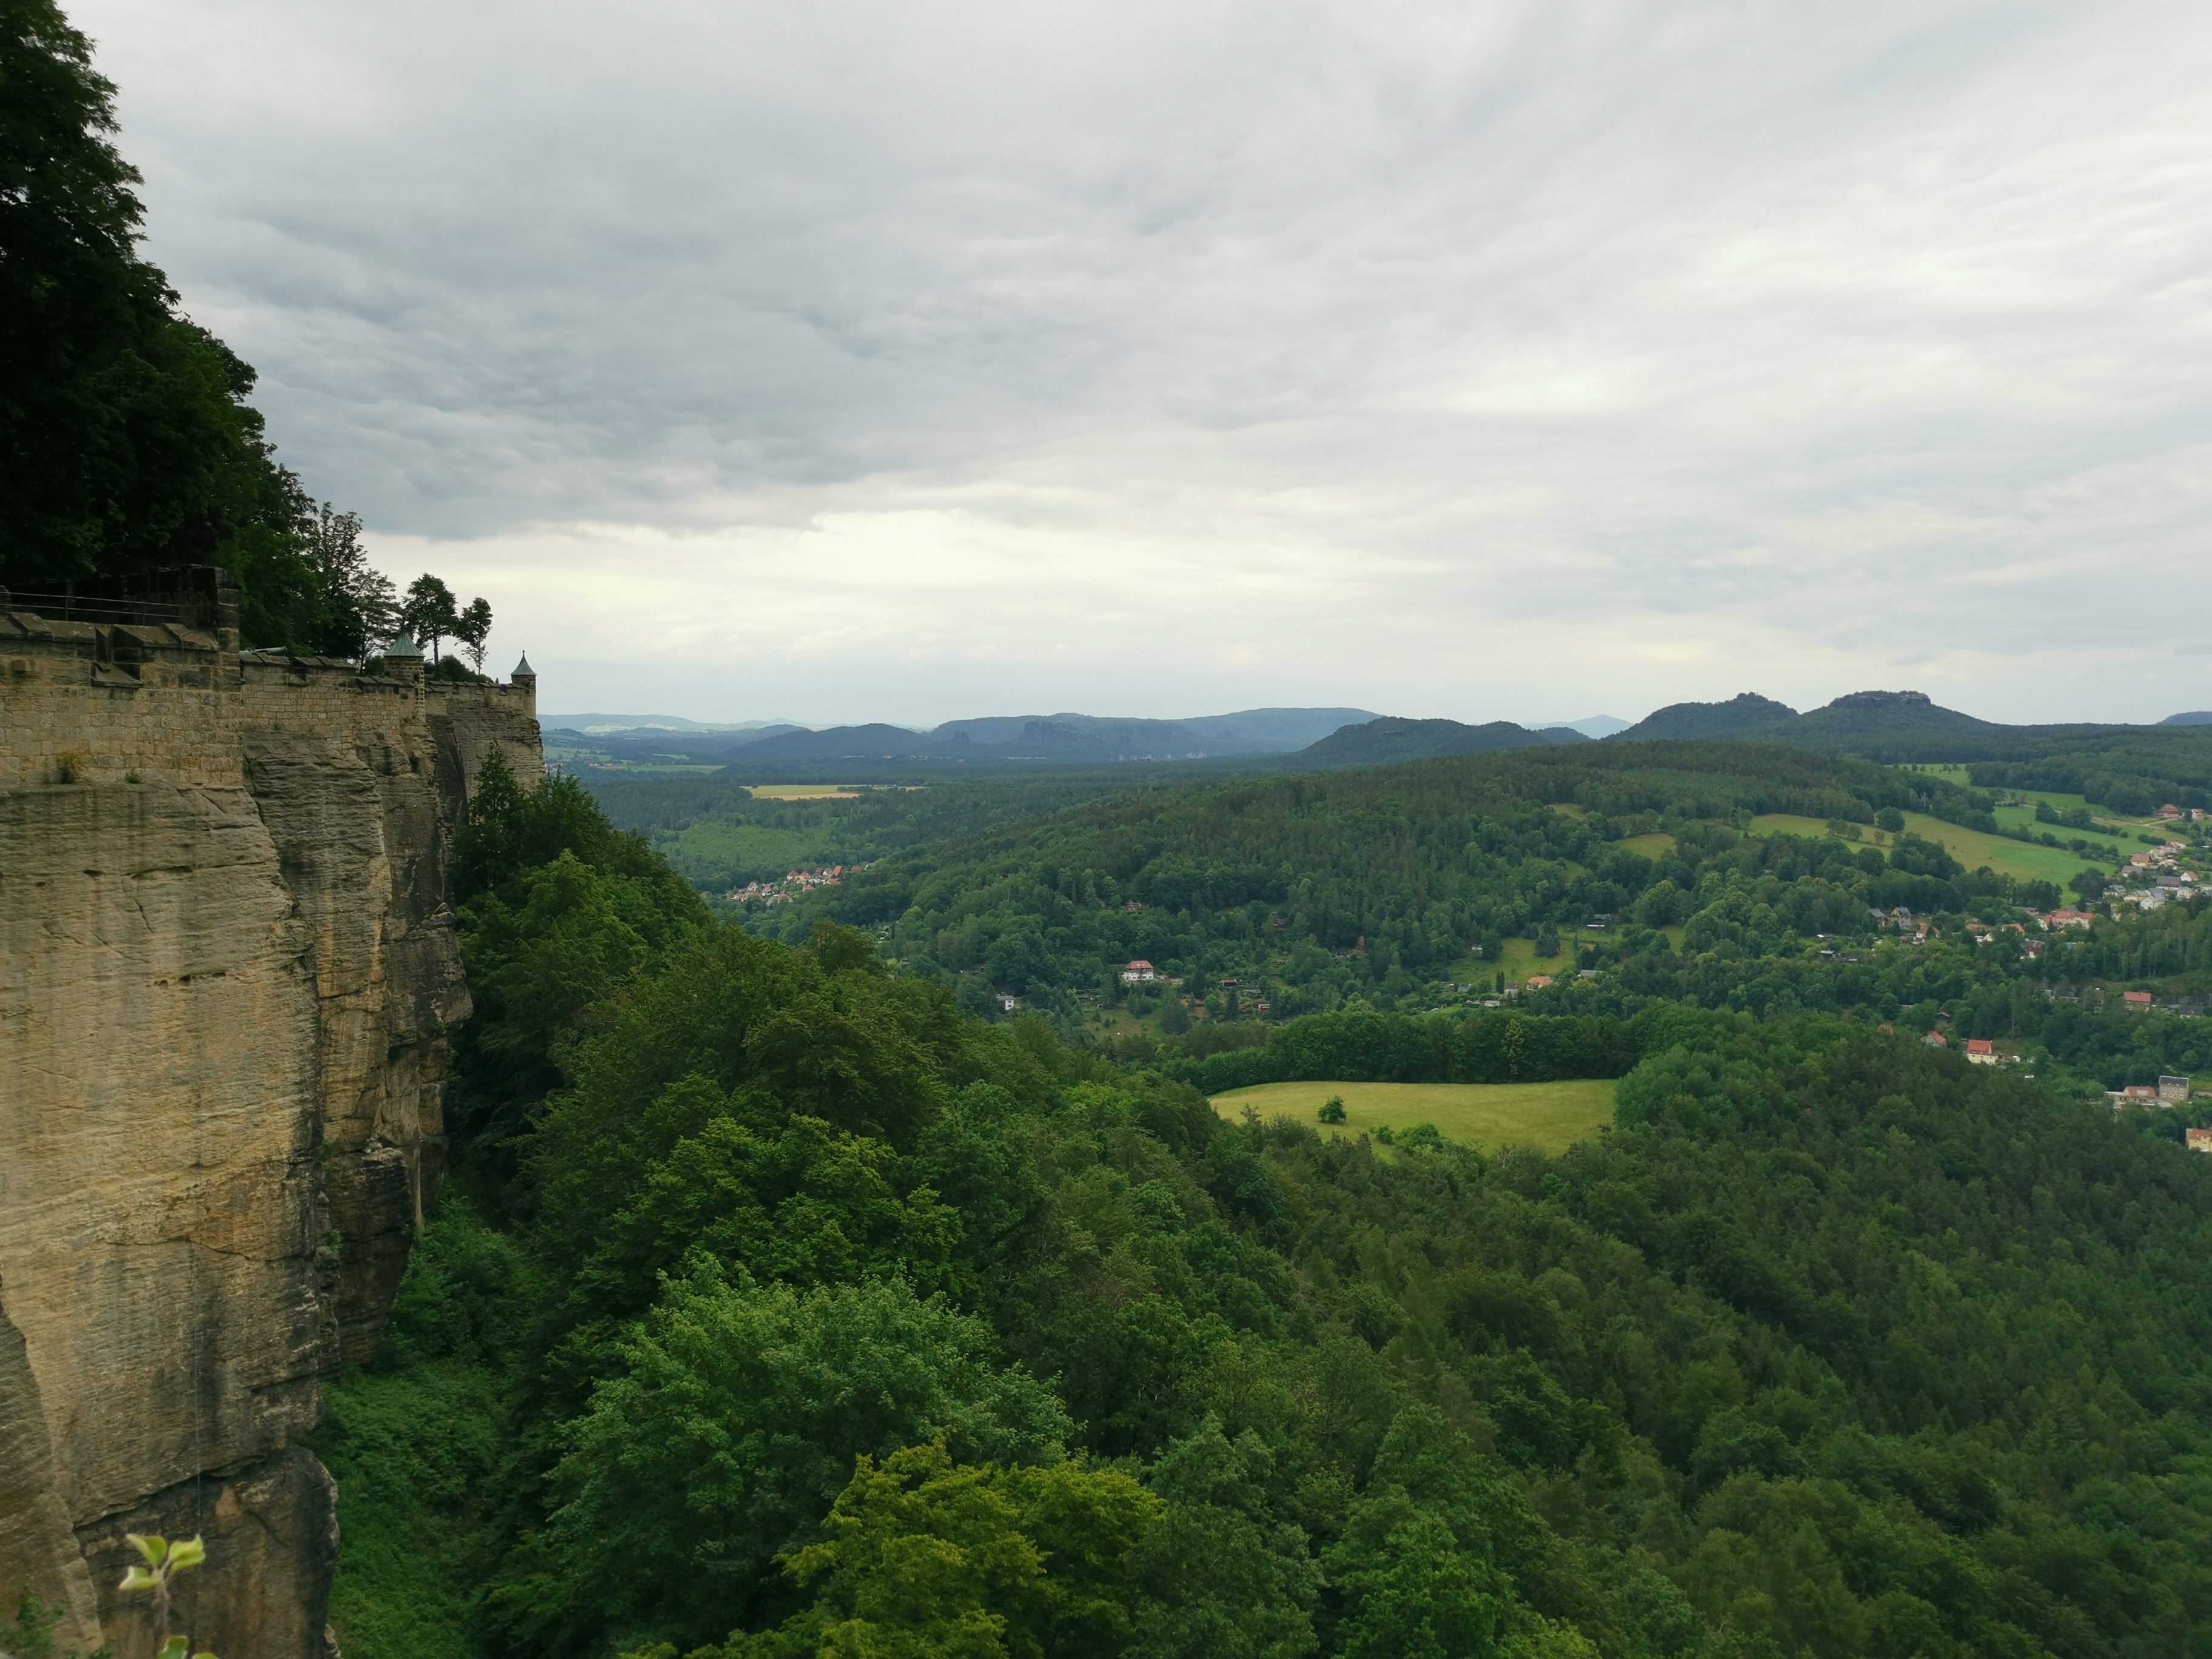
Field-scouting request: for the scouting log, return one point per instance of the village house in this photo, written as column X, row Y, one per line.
column 1538, row 981
column 1980, row 1051
column 2137, row 1002
column 2135, row 1094
column 1936, row 1040
column 2199, row 1140
column 2173, row 1090
column 1138, row 973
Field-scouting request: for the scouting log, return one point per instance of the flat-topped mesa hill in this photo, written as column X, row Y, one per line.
column 1879, row 725
column 227, row 970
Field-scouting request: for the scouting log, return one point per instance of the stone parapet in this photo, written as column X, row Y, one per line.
column 228, row 971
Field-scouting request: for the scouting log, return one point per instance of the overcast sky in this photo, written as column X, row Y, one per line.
column 864, row 360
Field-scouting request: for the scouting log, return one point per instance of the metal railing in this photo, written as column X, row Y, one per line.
column 85, row 607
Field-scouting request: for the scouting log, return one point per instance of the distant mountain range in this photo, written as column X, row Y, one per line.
column 1888, row 727
column 1590, row 726
column 603, row 724
column 1054, row 737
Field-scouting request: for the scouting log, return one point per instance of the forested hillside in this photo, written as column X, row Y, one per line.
column 777, row 1307
column 1627, row 874
column 1421, row 862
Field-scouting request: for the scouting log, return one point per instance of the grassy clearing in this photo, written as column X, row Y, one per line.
column 802, row 791
column 1550, row 1116
column 1657, row 845
column 1518, row 959
column 1971, row 847
column 2013, row 815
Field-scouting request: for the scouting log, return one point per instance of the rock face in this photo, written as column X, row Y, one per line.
column 227, row 970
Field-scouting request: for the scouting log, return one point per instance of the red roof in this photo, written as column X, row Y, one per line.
column 1139, row 967
column 1980, row 1046
column 2141, row 997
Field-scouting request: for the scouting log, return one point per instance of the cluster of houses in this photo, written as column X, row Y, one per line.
column 792, row 885
column 2166, row 879
column 1918, row 928
column 2166, row 1091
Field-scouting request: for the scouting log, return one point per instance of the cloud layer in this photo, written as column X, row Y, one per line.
column 873, row 360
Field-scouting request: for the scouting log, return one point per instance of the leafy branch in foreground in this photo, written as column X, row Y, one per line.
column 160, row 1562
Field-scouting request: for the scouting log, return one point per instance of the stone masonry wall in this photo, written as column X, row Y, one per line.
column 227, row 973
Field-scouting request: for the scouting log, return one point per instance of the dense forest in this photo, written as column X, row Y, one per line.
column 777, row 1306
column 1628, row 874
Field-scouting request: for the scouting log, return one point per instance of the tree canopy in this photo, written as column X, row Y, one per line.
column 817, row 1315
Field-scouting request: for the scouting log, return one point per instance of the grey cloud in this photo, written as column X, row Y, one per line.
column 1878, row 326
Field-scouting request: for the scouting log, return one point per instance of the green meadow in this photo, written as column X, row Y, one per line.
column 1971, row 847
column 1550, row 1116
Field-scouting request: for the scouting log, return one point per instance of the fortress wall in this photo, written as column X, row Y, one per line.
column 227, row 973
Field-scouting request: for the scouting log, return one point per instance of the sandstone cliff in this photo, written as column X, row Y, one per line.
column 227, row 970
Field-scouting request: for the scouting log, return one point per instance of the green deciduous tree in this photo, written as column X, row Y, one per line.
column 729, row 1428
column 927, row 1556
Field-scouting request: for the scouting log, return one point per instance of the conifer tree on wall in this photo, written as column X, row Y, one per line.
column 126, row 440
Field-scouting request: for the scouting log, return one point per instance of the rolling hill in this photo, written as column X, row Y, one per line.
column 1386, row 741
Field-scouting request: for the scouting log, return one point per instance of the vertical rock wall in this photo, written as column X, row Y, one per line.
column 227, row 973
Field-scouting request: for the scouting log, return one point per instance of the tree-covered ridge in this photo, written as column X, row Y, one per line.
column 2074, row 1032
column 1410, row 879
column 822, row 1317
column 1373, row 883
